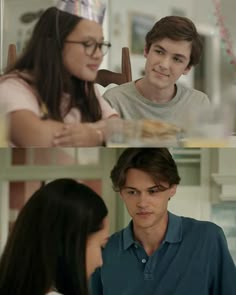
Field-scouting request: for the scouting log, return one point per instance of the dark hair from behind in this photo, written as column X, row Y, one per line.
column 47, row 246
column 157, row 162
column 42, row 59
column 177, row 28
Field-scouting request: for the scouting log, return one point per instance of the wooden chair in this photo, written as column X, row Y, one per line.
column 106, row 77
column 11, row 56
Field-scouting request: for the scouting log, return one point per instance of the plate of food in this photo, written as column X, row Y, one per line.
column 145, row 132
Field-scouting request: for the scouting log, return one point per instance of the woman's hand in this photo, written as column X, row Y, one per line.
column 79, row 135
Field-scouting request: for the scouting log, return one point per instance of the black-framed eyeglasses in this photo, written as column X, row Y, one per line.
column 91, row 46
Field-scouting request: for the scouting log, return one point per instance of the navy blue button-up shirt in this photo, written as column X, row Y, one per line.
column 193, row 259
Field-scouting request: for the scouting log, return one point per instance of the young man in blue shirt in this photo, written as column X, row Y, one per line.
column 159, row 252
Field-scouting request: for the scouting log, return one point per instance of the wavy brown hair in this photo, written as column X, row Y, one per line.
column 42, row 58
column 177, row 28
column 157, row 162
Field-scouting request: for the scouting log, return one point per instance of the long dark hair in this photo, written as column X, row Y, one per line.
column 47, row 245
column 42, row 58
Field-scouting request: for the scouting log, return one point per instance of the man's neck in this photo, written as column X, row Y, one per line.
column 153, row 93
column 151, row 238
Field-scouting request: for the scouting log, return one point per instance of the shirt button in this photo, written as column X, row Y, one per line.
column 144, row 260
column 148, row 276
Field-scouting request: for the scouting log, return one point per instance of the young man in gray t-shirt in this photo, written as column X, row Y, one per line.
column 172, row 47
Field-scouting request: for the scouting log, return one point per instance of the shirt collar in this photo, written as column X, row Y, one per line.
column 173, row 233
column 174, row 229
column 128, row 238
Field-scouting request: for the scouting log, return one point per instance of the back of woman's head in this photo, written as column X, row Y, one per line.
column 48, row 241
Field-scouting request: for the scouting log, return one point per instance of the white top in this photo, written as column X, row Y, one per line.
column 16, row 94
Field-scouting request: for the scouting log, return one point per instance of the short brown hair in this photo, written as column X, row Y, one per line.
column 179, row 29
column 157, row 162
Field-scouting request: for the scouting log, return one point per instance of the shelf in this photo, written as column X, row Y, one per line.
column 227, row 183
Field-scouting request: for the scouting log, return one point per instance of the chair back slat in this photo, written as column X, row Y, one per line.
column 106, row 77
column 11, row 57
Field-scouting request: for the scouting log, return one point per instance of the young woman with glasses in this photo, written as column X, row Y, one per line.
column 49, row 92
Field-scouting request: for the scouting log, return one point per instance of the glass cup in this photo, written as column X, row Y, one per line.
column 3, row 130
column 122, row 133
column 209, row 127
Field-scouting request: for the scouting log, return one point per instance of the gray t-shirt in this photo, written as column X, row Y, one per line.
column 131, row 105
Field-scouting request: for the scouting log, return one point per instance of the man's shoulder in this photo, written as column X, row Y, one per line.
column 191, row 93
column 119, row 89
column 114, row 246
column 205, row 228
column 115, row 237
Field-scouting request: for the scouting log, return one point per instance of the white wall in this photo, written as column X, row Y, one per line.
column 13, row 29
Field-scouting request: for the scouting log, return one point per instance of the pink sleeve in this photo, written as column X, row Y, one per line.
column 107, row 110
column 16, row 95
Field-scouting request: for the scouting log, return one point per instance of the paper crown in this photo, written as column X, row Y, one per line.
column 89, row 9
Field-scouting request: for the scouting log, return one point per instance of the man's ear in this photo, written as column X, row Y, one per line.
column 120, row 194
column 172, row 191
column 186, row 71
column 145, row 51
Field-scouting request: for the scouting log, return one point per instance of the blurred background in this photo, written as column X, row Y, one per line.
column 126, row 24
column 208, row 186
column 207, row 190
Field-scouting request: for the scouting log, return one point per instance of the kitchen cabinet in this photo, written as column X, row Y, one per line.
column 224, row 175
